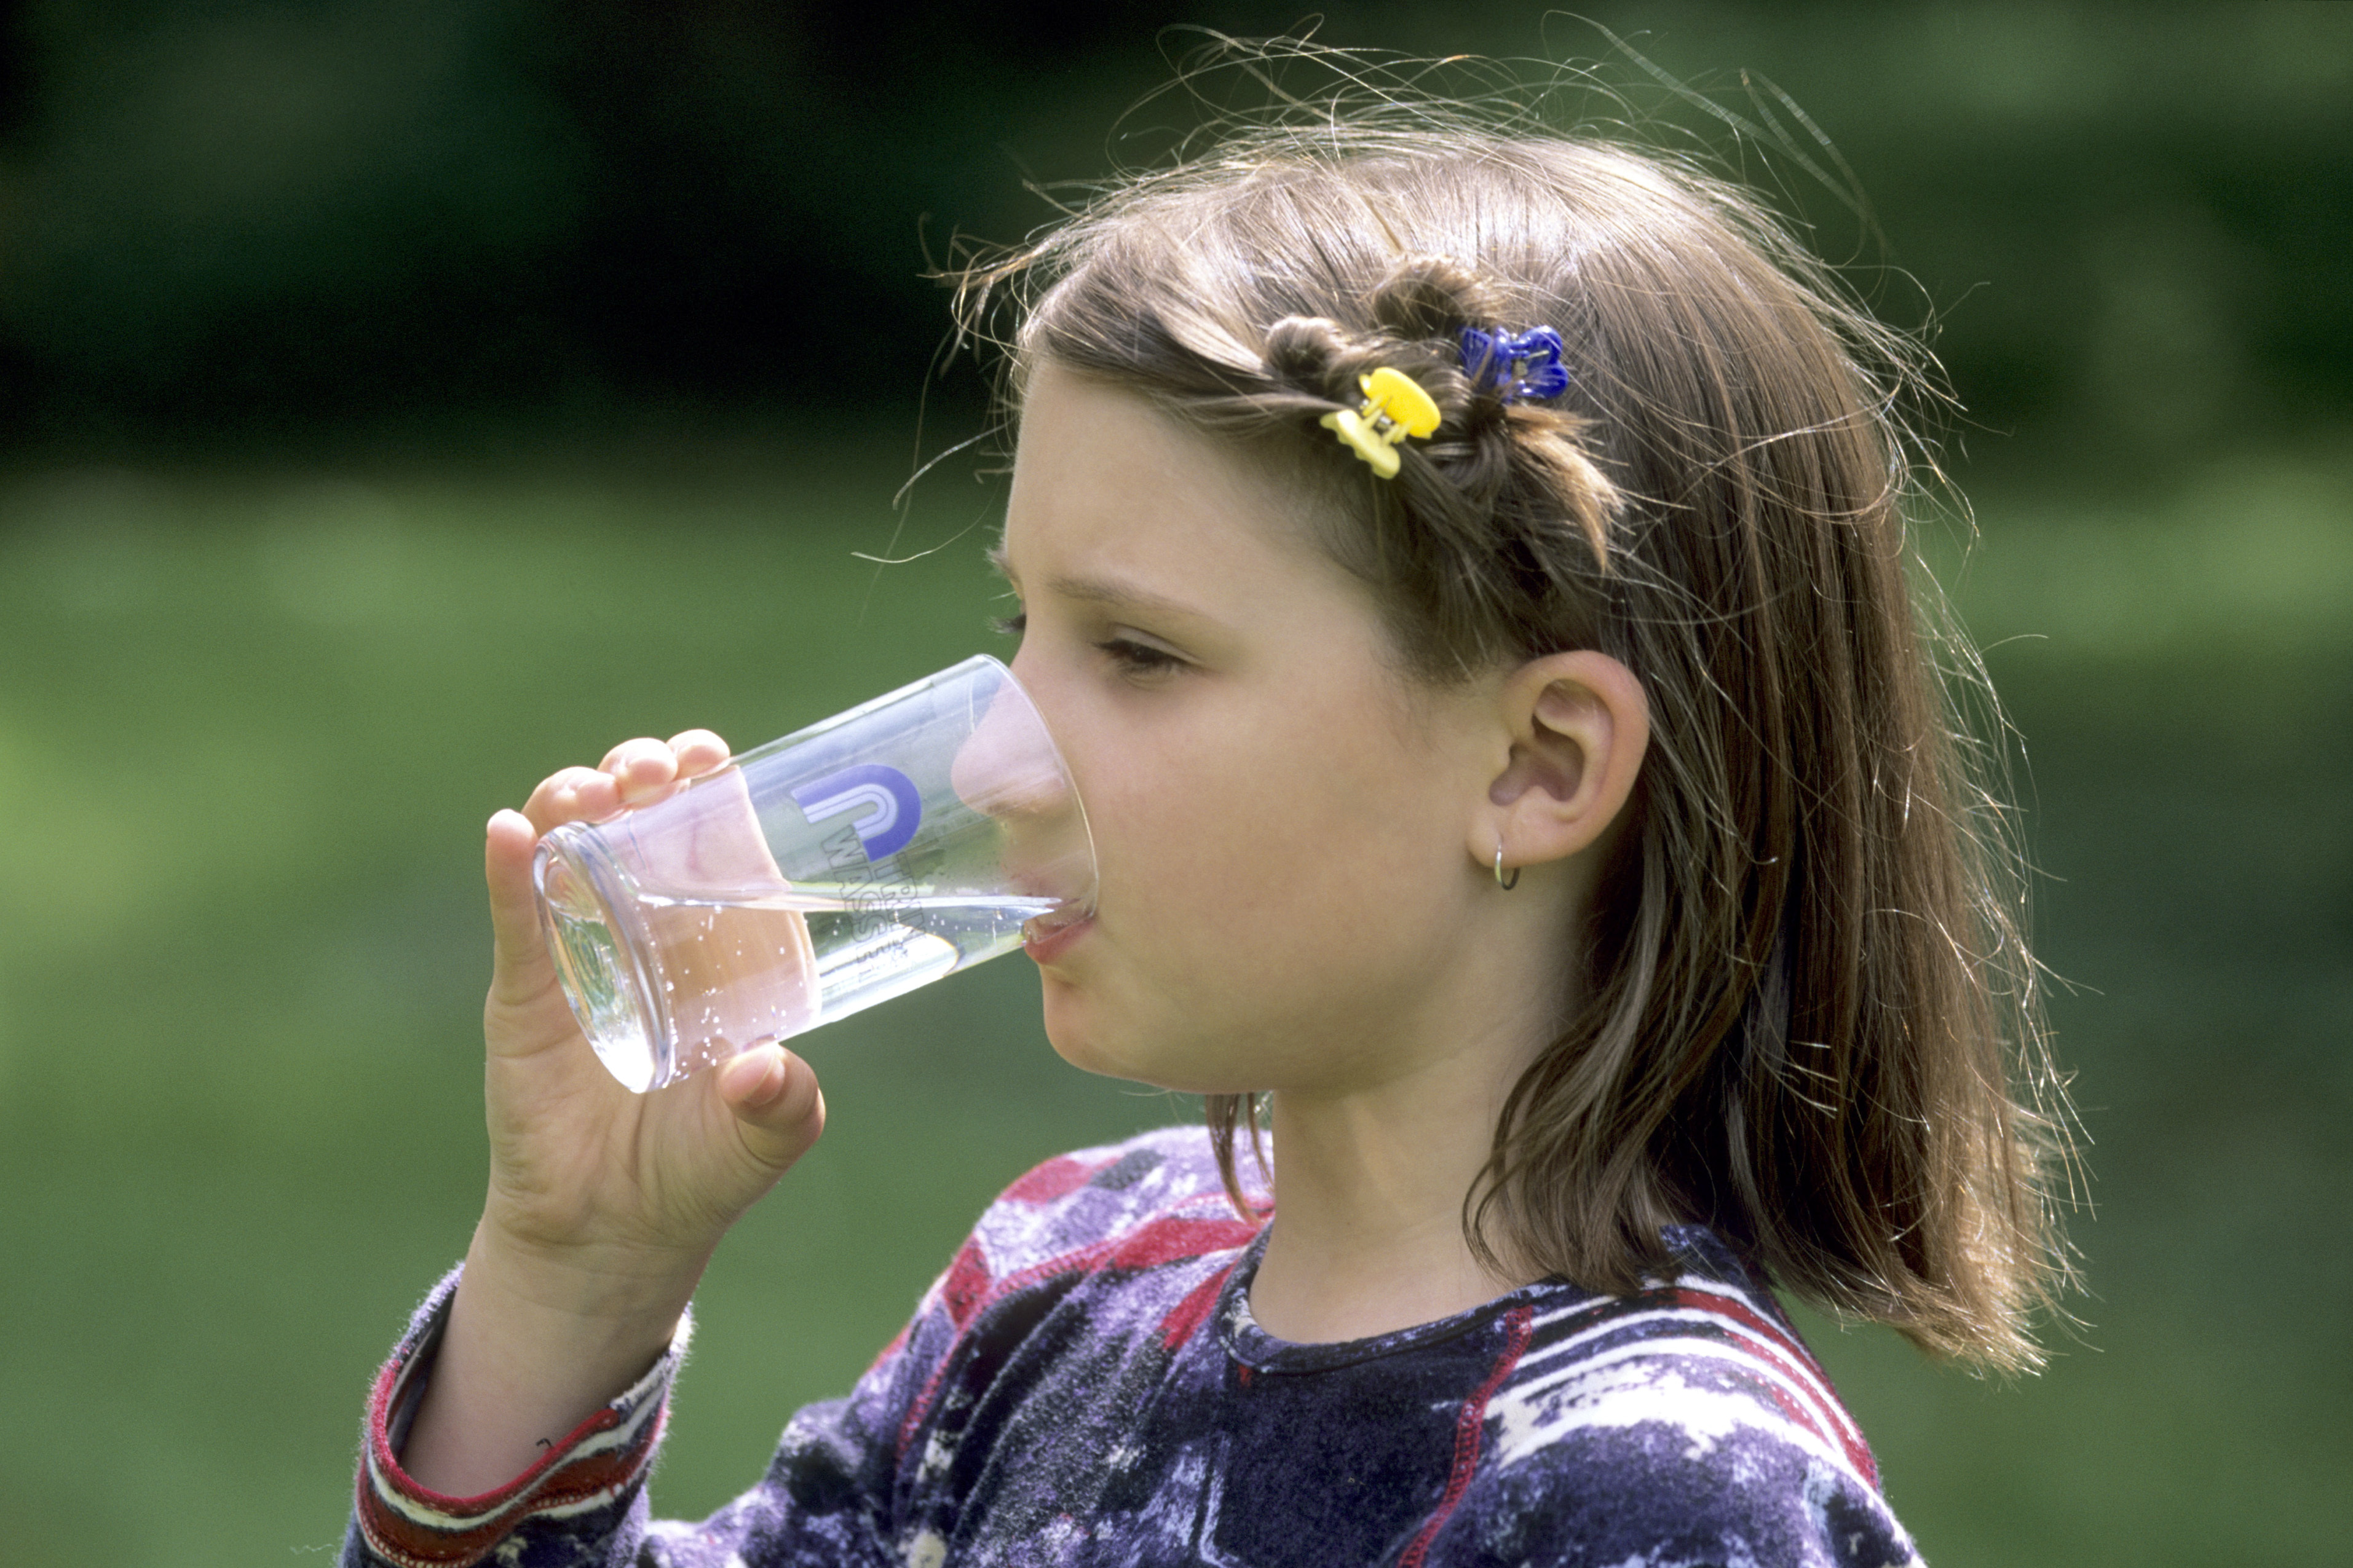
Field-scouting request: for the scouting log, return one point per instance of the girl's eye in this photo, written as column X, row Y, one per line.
column 1135, row 659
column 1131, row 658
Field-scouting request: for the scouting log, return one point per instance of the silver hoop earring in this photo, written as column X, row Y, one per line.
column 1500, row 883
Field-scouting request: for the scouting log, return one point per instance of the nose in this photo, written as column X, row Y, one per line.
column 1010, row 771
column 1008, row 766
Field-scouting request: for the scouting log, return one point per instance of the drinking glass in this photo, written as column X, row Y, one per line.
column 887, row 847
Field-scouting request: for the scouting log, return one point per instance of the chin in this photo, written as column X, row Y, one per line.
column 1088, row 1051
column 1071, row 1032
column 1083, row 1037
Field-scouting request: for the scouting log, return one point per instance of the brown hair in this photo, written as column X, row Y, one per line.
column 1810, row 1021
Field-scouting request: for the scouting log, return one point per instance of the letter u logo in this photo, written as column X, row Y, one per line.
column 888, row 806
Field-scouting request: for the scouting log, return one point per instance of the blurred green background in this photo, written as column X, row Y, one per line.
column 402, row 399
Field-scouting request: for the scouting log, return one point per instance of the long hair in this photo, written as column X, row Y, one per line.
column 1809, row 1016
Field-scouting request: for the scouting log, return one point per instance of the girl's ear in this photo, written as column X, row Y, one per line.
column 1578, row 725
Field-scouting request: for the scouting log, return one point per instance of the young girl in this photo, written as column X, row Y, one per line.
column 1464, row 571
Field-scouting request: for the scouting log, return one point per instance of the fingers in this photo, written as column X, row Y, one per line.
column 573, row 795
column 698, row 753
column 642, row 770
column 779, row 1110
column 633, row 773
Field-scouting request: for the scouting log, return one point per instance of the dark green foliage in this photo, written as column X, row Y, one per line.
column 267, row 220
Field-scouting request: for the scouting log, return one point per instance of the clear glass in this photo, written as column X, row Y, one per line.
column 914, row 835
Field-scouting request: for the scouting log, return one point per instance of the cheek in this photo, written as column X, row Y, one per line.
column 1281, row 872
column 1221, row 824
column 1259, row 859
column 1180, row 843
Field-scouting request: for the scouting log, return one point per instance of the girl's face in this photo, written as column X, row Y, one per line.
column 1288, row 895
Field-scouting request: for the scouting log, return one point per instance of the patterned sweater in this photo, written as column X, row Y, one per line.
column 1085, row 1386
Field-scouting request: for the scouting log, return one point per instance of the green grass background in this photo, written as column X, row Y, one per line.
column 250, row 723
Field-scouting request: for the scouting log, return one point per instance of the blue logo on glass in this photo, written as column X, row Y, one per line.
column 888, row 806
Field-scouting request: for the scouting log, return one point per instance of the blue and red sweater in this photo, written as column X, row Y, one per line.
column 1085, row 1386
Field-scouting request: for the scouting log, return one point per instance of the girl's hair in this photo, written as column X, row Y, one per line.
column 1808, row 1019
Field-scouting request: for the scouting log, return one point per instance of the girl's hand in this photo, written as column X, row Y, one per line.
column 603, row 1206
column 584, row 1173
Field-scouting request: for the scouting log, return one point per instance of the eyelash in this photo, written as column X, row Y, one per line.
column 1134, row 658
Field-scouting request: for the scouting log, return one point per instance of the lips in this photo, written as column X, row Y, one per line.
column 1048, row 936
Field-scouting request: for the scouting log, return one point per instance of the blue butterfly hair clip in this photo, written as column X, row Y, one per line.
column 1523, row 369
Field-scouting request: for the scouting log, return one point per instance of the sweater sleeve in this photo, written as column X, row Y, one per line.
column 592, row 1480
column 824, row 1498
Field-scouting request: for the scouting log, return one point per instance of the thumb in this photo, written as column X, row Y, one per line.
column 521, row 968
column 779, row 1110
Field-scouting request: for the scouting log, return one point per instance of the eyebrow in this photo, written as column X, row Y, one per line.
column 1102, row 591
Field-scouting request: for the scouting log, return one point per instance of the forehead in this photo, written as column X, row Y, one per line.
column 1103, row 482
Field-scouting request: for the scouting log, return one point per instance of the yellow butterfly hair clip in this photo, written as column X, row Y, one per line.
column 1395, row 407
